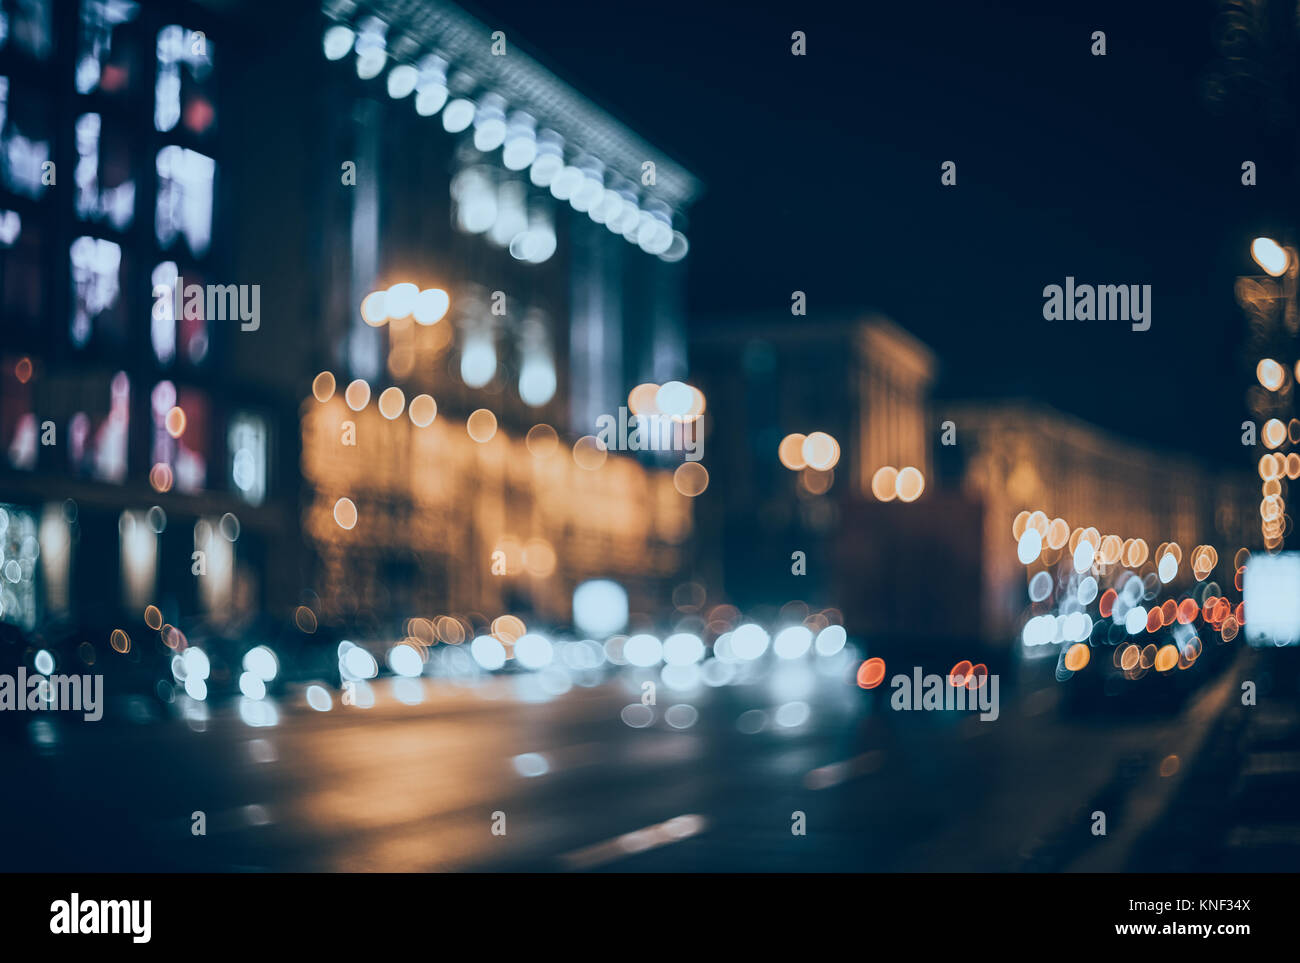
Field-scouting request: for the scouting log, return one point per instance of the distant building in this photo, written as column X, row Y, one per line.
column 1016, row 456
column 863, row 381
column 941, row 567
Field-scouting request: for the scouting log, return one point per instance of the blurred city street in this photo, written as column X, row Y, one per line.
column 415, row 787
column 447, row 436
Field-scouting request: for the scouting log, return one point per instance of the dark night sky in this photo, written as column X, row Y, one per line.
column 822, row 174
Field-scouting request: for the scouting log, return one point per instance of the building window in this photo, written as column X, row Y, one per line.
column 19, row 550
column 105, row 191
column 97, row 442
column 180, row 431
column 185, row 179
column 103, row 64
column 17, row 419
column 181, row 95
column 24, row 143
column 247, row 443
column 96, row 288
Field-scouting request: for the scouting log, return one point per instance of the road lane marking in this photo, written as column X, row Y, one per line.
column 823, row 777
column 638, row 841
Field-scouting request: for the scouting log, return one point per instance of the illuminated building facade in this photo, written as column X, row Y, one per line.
column 128, row 431
column 554, row 234
column 1018, row 456
column 934, row 562
column 296, row 158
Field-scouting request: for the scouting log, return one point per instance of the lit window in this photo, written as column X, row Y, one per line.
column 162, row 326
column 19, row 549
column 184, row 198
column 11, row 225
column 179, row 314
column 23, row 156
column 192, row 49
column 17, row 417
column 179, row 436
column 96, row 264
column 97, row 441
column 115, row 204
column 98, row 65
column 22, row 272
column 247, row 443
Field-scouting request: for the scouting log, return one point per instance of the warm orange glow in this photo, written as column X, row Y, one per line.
column 1136, row 554
column 120, row 641
column 322, row 386
column 449, row 630
column 1166, row 658
column 1204, row 559
column 1058, row 533
column 153, row 617
column 1107, row 603
column 884, row 483
column 1130, row 658
column 790, row 452
column 1274, row 433
column 959, row 673
column 979, row 674
column 357, row 395
column 345, row 513
column 1269, row 467
column 542, row 441
column 508, row 628
column 539, row 558
column 641, row 399
column 481, row 425
column 1077, row 656
column 391, row 402
column 1111, row 549
column 589, row 452
column 175, row 422
column 422, row 410
column 305, row 619
column 816, row 482
column 871, row 673
column 1169, row 612
column 160, row 477
column 691, row 478
column 23, row 370
column 1017, row 527
column 1187, row 611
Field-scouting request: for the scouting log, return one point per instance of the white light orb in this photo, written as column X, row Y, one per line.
column 600, row 607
